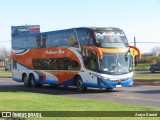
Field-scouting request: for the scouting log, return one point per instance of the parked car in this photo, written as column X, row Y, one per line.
column 155, row 67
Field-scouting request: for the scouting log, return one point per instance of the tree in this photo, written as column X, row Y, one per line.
column 155, row 50
column 5, row 55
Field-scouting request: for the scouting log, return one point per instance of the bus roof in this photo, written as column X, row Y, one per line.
column 100, row 28
column 91, row 28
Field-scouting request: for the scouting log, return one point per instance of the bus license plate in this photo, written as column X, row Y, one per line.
column 118, row 85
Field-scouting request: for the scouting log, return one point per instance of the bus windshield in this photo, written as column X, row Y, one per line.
column 120, row 63
column 110, row 38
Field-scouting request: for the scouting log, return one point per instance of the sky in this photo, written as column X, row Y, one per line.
column 139, row 18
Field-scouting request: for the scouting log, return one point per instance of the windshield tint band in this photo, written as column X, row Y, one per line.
column 110, row 38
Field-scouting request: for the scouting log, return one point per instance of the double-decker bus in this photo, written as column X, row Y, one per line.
column 83, row 57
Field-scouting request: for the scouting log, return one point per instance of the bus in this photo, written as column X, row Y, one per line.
column 84, row 57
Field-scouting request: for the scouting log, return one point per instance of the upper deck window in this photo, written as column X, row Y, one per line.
column 70, row 39
column 85, row 37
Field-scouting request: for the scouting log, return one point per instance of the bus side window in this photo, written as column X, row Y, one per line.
column 85, row 37
column 90, row 59
column 53, row 64
column 14, row 45
column 90, row 38
column 60, row 63
column 69, row 39
column 33, row 41
column 26, row 43
column 94, row 62
column 45, row 64
column 73, row 65
column 46, row 40
column 38, row 41
column 53, row 39
column 43, row 40
column 57, row 39
column 69, row 64
column 82, row 36
column 65, row 38
column 17, row 43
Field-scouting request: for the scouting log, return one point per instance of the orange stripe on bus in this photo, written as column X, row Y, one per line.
column 26, row 59
column 121, row 50
column 100, row 51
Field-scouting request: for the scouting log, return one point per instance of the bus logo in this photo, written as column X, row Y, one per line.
column 49, row 52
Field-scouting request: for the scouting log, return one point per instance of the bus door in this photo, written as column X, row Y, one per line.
column 15, row 71
column 90, row 59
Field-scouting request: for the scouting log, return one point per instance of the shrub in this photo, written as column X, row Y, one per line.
column 149, row 59
column 142, row 67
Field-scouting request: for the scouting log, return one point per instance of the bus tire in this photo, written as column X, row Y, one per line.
column 26, row 80
column 108, row 89
column 54, row 86
column 33, row 83
column 80, row 85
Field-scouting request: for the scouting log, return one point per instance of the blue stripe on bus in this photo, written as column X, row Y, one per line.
column 22, row 51
column 102, row 83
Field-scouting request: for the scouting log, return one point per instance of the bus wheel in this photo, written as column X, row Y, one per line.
column 33, row 83
column 26, row 81
column 108, row 89
column 80, row 85
column 53, row 86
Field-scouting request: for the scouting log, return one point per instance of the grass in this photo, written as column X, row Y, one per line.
column 5, row 73
column 24, row 101
column 153, row 76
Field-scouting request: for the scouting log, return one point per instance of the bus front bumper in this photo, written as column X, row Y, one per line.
column 104, row 83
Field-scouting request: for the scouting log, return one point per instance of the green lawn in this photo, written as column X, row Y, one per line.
column 152, row 76
column 24, row 101
column 5, row 73
column 33, row 101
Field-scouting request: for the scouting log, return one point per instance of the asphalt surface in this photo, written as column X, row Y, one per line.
column 143, row 95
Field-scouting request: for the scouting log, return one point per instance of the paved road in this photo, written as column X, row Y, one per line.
column 143, row 95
